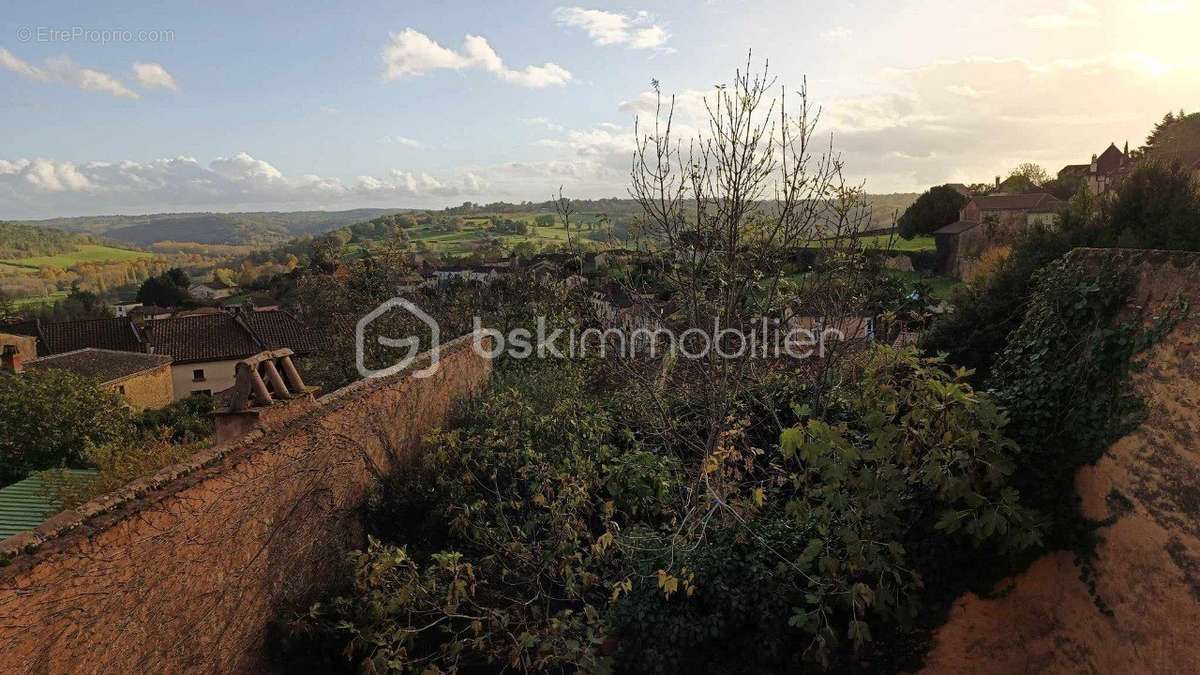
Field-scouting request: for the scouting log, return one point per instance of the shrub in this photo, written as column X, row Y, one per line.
column 49, row 417
column 1064, row 378
column 986, row 312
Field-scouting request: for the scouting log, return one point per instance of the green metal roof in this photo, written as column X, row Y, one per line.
column 25, row 504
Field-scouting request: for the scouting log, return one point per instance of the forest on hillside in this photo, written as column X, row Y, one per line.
column 20, row 241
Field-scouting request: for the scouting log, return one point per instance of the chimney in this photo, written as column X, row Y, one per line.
column 997, row 182
column 11, row 359
column 267, row 392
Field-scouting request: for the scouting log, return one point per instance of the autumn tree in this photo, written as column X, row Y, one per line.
column 1030, row 171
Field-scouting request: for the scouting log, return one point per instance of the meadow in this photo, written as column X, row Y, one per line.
column 85, row 253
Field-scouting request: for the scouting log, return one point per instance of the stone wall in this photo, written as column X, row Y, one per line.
column 186, row 570
column 148, row 390
column 1148, row 561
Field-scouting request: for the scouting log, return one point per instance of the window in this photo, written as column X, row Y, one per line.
column 121, row 389
column 198, row 375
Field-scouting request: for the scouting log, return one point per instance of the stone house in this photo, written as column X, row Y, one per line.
column 213, row 290
column 144, row 380
column 991, row 220
column 1105, row 173
column 205, row 348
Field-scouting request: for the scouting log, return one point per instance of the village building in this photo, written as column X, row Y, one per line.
column 143, row 380
column 991, row 220
column 205, row 348
column 213, row 290
column 1104, row 174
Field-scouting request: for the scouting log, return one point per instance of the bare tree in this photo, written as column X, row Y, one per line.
column 731, row 207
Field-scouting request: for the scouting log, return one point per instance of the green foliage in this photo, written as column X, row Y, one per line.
column 169, row 289
column 184, row 421
column 49, row 417
column 1063, row 377
column 1030, row 174
column 24, row 241
column 521, row 490
column 1158, row 206
column 1174, row 139
column 936, row 208
column 545, row 533
column 985, row 313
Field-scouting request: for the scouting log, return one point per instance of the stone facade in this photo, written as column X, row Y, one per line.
column 147, row 390
column 185, row 571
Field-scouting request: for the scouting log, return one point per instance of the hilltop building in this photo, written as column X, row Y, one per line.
column 1104, row 174
column 987, row 221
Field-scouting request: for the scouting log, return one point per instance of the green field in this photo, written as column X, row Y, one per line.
column 40, row 299
column 897, row 243
column 940, row 288
column 888, row 241
column 86, row 253
column 476, row 231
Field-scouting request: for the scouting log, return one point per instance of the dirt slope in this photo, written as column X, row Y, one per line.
column 1149, row 563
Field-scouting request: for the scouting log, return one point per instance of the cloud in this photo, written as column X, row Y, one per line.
column 403, row 141
column 1074, row 14
column 612, row 28
column 604, row 144
column 544, row 122
column 689, row 104
column 967, row 120
column 41, row 187
column 837, row 33
column 154, row 76
column 410, row 53
column 64, row 71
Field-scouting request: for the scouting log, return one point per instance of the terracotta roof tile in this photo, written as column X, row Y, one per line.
column 1031, row 201
column 278, row 329
column 203, row 337
column 68, row 336
column 957, row 227
column 103, row 364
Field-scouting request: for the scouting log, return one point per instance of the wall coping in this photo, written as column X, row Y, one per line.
column 22, row 550
column 1136, row 256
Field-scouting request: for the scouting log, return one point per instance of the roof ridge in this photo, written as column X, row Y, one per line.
column 237, row 318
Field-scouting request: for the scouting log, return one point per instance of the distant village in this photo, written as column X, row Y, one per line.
column 1000, row 215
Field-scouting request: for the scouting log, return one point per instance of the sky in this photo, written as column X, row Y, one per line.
column 142, row 107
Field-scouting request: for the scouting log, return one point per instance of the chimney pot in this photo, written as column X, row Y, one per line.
column 10, row 359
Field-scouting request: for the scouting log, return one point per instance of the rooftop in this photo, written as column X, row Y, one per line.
column 1030, row 201
column 105, row 365
column 25, row 504
column 957, row 227
column 215, row 336
column 69, row 336
column 224, row 336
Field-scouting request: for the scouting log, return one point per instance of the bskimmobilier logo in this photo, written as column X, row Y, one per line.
column 766, row 339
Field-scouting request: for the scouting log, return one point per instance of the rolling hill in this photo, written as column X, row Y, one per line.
column 257, row 228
